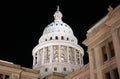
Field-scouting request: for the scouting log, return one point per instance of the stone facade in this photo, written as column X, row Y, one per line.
column 13, row 71
column 80, row 73
column 103, row 41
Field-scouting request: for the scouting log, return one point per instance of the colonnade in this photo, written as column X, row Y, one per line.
column 58, row 53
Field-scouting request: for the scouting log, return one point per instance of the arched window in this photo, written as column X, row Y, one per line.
column 56, row 37
column 62, row 38
column 67, row 38
column 56, row 24
column 46, row 69
column 55, row 68
column 45, row 39
column 50, row 38
column 64, row 68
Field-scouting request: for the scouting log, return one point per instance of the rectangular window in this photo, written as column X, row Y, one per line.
column 46, row 69
column 55, row 69
column 116, row 74
column 111, row 49
column 1, row 76
column 64, row 68
column 104, row 53
column 7, row 77
column 107, row 75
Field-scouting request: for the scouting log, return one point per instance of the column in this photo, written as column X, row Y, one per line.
column 59, row 53
column 112, row 75
column 33, row 60
column 38, row 57
column 51, row 54
column 116, row 44
column 43, row 55
column 98, row 62
column 75, row 57
column 108, row 52
column 68, row 55
column 80, row 59
column 91, row 64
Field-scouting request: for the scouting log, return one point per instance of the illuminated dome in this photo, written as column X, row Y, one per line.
column 57, row 50
column 58, row 25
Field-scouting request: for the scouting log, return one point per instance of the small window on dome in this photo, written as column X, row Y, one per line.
column 62, row 38
column 66, row 25
column 46, row 69
column 64, row 68
column 50, row 38
column 56, row 24
column 45, row 39
column 61, row 24
column 55, row 69
column 67, row 38
column 56, row 37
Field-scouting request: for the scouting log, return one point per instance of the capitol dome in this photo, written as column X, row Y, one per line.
column 58, row 49
column 58, row 25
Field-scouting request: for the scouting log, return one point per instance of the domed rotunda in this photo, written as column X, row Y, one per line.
column 58, row 49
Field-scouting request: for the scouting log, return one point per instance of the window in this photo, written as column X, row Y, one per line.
column 1, row 76
column 55, row 69
column 62, row 38
column 45, row 39
column 107, row 75
column 67, row 39
column 56, row 37
column 7, row 77
column 111, row 49
column 46, row 69
column 50, row 38
column 104, row 53
column 116, row 74
column 64, row 68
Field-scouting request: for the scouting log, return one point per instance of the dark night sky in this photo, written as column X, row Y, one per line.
column 24, row 22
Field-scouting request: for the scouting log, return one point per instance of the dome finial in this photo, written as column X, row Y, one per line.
column 58, row 15
column 58, row 8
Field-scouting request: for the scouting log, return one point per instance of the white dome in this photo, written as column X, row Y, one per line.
column 58, row 25
column 58, row 49
column 58, row 29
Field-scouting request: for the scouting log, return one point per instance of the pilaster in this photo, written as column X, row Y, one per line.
column 116, row 44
